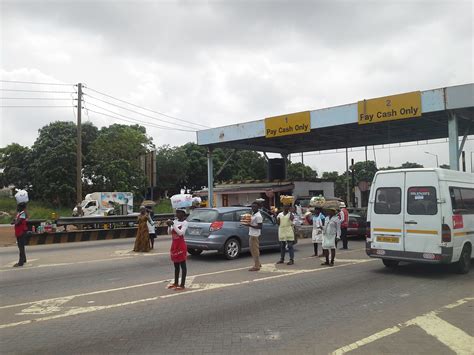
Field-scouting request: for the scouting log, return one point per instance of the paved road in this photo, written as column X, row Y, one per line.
column 99, row 297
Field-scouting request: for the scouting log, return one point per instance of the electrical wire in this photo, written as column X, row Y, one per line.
column 132, row 118
column 136, row 112
column 136, row 121
column 33, row 83
column 34, row 98
column 29, row 106
column 44, row 91
column 146, row 109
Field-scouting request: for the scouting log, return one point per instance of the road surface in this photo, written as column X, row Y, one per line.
column 99, row 297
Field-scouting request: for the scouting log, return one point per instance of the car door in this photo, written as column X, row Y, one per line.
column 242, row 230
column 422, row 214
column 269, row 235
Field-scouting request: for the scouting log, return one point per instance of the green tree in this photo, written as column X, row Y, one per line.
column 364, row 171
column 53, row 164
column 299, row 171
column 196, row 167
column 14, row 160
column 115, row 159
column 409, row 165
column 171, row 167
column 339, row 183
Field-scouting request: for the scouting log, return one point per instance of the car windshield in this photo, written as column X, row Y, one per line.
column 202, row 215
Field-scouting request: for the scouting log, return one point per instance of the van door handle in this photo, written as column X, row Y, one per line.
column 411, row 222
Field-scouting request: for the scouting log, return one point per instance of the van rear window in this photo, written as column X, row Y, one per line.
column 388, row 200
column 421, row 200
column 203, row 215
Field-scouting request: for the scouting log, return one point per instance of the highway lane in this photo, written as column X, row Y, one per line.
column 106, row 300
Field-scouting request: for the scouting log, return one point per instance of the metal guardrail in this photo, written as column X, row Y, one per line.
column 132, row 218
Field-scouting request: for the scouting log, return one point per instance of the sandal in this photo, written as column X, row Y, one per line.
column 324, row 263
column 280, row 262
column 171, row 286
column 179, row 288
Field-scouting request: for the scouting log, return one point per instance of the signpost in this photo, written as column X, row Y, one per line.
column 389, row 108
column 285, row 125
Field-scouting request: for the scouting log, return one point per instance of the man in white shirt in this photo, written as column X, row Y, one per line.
column 255, row 230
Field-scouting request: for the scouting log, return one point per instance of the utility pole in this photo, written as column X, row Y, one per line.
column 353, row 184
column 348, row 196
column 79, row 147
column 302, row 166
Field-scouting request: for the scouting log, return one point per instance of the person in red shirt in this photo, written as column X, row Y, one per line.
column 21, row 229
column 344, row 217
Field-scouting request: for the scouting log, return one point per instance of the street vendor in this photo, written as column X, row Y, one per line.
column 331, row 231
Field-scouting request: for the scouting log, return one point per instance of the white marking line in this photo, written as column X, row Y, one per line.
column 81, row 310
column 114, row 289
column 439, row 329
column 66, row 264
column 451, row 336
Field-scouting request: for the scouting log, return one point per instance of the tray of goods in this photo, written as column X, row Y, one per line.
column 245, row 218
column 286, row 200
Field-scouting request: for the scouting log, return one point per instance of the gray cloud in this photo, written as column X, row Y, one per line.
column 223, row 62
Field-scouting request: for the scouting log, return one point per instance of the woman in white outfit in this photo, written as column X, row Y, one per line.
column 331, row 231
column 317, row 233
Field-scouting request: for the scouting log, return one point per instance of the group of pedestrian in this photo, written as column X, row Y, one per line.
column 329, row 225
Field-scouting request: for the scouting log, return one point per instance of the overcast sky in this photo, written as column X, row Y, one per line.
column 223, row 62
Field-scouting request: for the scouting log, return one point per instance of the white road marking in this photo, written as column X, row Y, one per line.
column 80, row 310
column 27, row 265
column 453, row 337
column 46, row 307
column 66, row 264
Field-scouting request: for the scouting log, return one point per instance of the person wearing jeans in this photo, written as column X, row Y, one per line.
column 286, row 235
column 255, row 230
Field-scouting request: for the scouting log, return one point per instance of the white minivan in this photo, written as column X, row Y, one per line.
column 421, row 215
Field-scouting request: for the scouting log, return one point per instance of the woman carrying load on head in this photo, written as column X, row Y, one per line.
column 286, row 234
column 318, row 225
column 331, row 231
column 179, row 250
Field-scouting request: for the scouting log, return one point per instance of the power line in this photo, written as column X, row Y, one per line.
column 132, row 120
column 44, row 91
column 147, row 109
column 136, row 112
column 29, row 106
column 34, row 98
column 33, row 83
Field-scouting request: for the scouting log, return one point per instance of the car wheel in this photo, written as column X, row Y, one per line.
column 464, row 263
column 232, row 249
column 194, row 251
column 390, row 263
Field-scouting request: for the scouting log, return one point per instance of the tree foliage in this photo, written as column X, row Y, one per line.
column 299, row 171
column 114, row 159
column 14, row 160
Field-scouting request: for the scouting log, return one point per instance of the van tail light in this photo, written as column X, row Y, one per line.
column 445, row 233
column 367, row 230
column 215, row 226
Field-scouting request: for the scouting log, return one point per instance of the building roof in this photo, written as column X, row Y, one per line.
column 337, row 127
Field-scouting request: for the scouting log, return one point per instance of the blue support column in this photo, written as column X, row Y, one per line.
column 210, row 178
column 453, row 134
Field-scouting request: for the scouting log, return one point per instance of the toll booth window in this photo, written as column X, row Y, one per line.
column 388, row 200
column 422, row 200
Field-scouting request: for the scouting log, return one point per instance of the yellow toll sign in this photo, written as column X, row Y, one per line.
column 389, row 108
column 285, row 125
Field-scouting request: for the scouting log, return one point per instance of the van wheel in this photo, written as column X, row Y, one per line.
column 390, row 263
column 194, row 251
column 464, row 263
column 232, row 249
